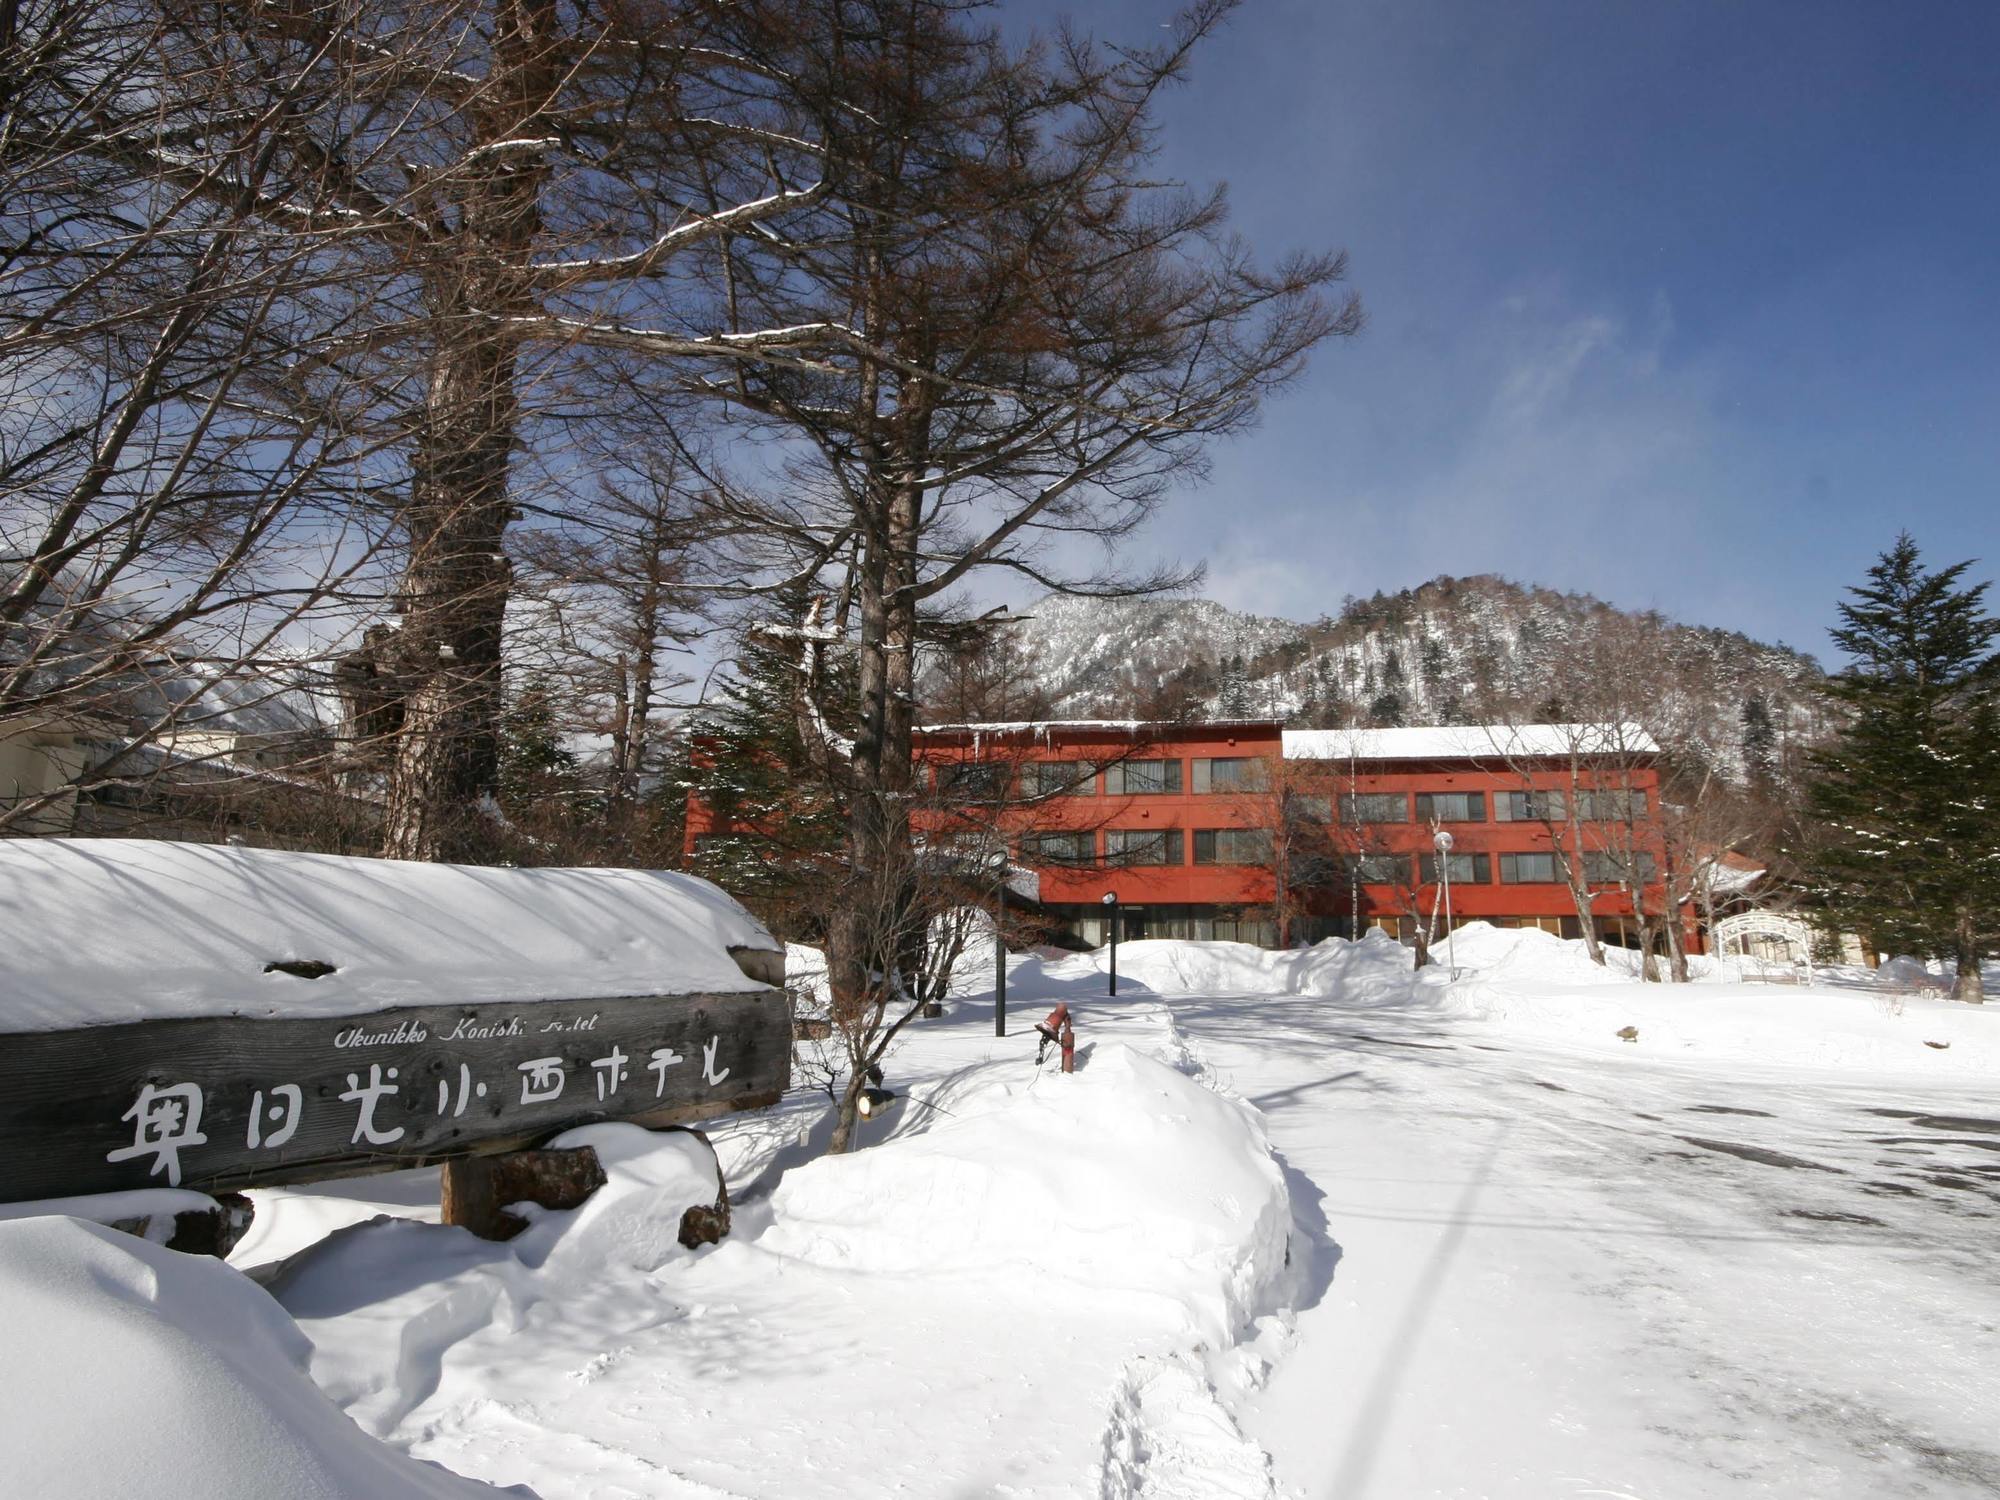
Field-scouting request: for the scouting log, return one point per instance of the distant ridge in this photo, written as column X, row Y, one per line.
column 1439, row 653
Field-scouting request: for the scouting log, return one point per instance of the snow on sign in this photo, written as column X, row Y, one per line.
column 268, row 1046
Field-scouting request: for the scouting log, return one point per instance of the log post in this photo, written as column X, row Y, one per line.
column 475, row 1190
column 214, row 1230
column 705, row 1223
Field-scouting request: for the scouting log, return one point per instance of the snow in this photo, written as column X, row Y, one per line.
column 112, row 930
column 1468, row 742
column 133, row 1370
column 1011, row 1246
column 155, row 1207
column 1303, row 1223
column 1419, row 647
column 1536, row 985
column 1096, row 726
column 1111, row 1181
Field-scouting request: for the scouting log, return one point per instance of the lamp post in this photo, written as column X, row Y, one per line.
column 999, row 945
column 1442, row 840
column 1111, row 905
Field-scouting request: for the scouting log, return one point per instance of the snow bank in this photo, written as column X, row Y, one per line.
column 805, row 977
column 633, row 1221
column 1127, row 1176
column 1777, row 1025
column 109, row 930
column 1533, row 984
column 131, row 1370
column 156, row 1206
column 1375, row 969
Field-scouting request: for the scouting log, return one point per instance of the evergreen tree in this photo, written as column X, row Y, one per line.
column 1434, row 663
column 1760, row 744
column 764, row 764
column 1908, row 795
column 1386, row 711
column 538, row 777
column 1233, row 702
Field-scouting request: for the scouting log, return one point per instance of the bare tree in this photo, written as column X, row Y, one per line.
column 180, row 497
column 490, row 187
column 610, row 599
column 1041, row 344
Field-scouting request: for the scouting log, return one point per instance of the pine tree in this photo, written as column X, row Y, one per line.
column 1385, row 711
column 1908, row 795
column 1233, row 702
column 764, row 764
column 1760, row 744
column 539, row 782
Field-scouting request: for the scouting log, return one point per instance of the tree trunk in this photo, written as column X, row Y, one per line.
column 1708, row 919
column 1677, row 958
column 1649, row 942
column 456, row 580
column 1281, row 894
column 847, row 1114
column 1573, row 872
column 1969, row 986
column 1579, row 894
column 454, row 597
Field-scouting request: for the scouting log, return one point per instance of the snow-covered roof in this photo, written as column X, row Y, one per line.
column 1105, row 726
column 99, row 931
column 1730, row 873
column 1469, row 742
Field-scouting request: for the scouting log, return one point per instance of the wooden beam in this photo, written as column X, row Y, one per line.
column 230, row 1102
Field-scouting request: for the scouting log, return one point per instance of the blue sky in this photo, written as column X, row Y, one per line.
column 1690, row 305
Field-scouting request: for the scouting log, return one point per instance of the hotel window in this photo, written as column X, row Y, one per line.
column 1375, row 807
column 1058, row 778
column 1530, row 807
column 973, row 780
column 1466, row 869
column 1143, row 846
column 1240, row 773
column 1451, row 807
column 1610, row 807
column 1059, row 849
column 1610, row 869
column 1232, row 846
column 1309, row 805
column 1142, row 778
column 1377, row 869
column 1527, row 869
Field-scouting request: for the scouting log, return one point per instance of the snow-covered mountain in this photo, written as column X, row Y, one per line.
column 1449, row 651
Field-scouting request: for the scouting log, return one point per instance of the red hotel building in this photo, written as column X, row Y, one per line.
column 1176, row 820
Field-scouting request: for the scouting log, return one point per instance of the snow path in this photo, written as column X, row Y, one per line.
column 1551, row 1276
column 765, row 1366
column 1530, row 1261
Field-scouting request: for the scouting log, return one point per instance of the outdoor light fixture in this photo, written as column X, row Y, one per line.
column 1442, row 840
column 874, row 1102
column 999, row 944
column 1111, row 903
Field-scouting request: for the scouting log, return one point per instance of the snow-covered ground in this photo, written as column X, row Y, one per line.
column 1300, row 1224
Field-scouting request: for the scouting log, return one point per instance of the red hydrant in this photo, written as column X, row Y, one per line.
column 1057, row 1031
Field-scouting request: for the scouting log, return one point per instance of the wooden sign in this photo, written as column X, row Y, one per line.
column 228, row 1102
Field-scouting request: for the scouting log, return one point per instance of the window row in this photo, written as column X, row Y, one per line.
column 988, row 781
column 1513, row 869
column 1150, row 846
column 1508, row 807
column 1253, row 846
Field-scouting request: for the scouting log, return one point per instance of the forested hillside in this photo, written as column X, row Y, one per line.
column 1453, row 650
